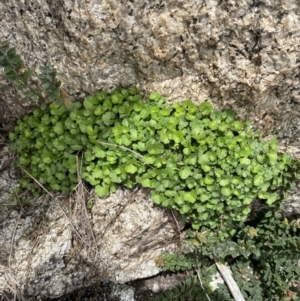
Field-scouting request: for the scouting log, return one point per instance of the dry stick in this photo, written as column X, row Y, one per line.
column 11, row 288
column 227, row 276
column 93, row 247
column 72, row 225
column 12, row 284
column 58, row 205
column 36, row 181
column 59, row 208
column 84, row 205
column 76, row 232
column 123, row 147
column 202, row 285
column 79, row 169
column 13, row 238
column 175, row 219
column 7, row 274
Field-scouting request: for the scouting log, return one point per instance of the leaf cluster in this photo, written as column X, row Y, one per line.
column 204, row 163
column 177, row 262
column 191, row 289
column 49, row 141
column 14, row 70
column 262, row 256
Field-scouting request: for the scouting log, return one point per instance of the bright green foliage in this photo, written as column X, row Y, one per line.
column 14, row 70
column 203, row 163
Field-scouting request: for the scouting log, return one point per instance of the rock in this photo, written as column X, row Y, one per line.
column 55, row 246
column 160, row 283
column 240, row 54
column 122, row 293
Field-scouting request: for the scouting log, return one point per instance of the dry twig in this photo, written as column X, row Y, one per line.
column 232, row 285
column 200, row 280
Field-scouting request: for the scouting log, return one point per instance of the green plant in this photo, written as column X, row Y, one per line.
column 192, row 290
column 262, row 256
column 177, row 262
column 14, row 70
column 202, row 162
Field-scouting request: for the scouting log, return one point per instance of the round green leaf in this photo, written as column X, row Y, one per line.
column 185, row 173
column 59, row 128
column 208, row 180
column 273, row 156
column 102, row 190
column 245, row 161
column 225, row 191
column 258, row 180
column 146, row 183
column 130, row 168
column 224, row 181
column 271, row 199
column 108, row 118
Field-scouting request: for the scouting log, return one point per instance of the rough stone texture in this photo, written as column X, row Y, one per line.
column 51, row 249
column 55, row 246
column 238, row 53
column 242, row 54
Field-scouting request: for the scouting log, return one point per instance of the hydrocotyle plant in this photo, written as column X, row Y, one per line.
column 202, row 162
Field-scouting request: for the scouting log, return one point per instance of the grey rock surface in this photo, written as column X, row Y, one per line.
column 242, row 54
column 239, row 53
column 55, row 246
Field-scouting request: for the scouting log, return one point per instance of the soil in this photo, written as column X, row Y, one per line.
column 144, row 289
column 138, row 290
